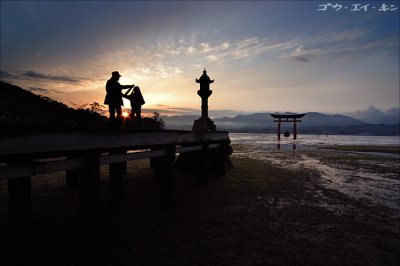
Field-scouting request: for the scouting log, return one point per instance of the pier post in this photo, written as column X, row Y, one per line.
column 155, row 163
column 20, row 207
column 220, row 162
column 205, row 165
column 72, row 176
column 89, row 200
column 166, row 172
column 124, row 165
column 116, row 174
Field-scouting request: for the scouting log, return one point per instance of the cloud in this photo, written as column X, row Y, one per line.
column 39, row 90
column 250, row 47
column 377, row 116
column 170, row 112
column 300, row 55
column 340, row 36
column 191, row 50
column 336, row 42
column 303, row 55
column 302, row 59
column 7, row 75
column 167, row 110
column 29, row 74
column 219, row 50
column 301, row 48
column 167, row 71
column 394, row 111
column 43, row 76
column 206, row 48
column 225, row 45
column 177, row 109
column 42, row 90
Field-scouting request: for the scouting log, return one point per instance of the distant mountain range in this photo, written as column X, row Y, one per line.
column 312, row 123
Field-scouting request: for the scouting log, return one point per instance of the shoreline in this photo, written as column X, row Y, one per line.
column 381, row 154
column 364, row 148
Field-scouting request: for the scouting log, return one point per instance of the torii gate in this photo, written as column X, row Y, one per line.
column 287, row 118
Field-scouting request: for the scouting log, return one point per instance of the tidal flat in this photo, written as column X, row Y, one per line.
column 308, row 207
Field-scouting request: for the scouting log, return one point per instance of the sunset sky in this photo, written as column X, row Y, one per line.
column 263, row 55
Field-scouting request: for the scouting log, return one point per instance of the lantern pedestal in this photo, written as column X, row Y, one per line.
column 204, row 124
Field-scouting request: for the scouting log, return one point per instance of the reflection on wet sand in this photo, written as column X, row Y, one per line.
column 365, row 177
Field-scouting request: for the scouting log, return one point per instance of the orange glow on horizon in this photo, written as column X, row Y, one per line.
column 125, row 114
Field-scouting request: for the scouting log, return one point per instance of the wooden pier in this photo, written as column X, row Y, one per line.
column 26, row 151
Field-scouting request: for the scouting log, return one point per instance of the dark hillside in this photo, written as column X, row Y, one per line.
column 20, row 106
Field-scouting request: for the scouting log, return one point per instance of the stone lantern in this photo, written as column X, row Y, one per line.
column 204, row 123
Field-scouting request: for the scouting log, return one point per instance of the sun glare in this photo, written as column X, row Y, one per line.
column 125, row 114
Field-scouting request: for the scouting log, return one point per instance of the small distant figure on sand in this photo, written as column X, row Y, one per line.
column 286, row 134
column 137, row 100
column 114, row 98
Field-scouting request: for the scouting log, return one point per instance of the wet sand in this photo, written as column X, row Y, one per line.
column 366, row 175
column 313, row 207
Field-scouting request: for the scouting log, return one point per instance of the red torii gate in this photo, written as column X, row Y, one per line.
column 287, row 118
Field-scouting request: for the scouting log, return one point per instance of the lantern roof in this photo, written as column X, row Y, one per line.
column 204, row 78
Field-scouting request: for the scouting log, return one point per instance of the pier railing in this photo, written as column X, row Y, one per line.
column 26, row 151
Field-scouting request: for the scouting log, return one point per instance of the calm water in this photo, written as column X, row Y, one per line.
column 270, row 140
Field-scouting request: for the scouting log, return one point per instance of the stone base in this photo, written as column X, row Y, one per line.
column 204, row 124
column 193, row 162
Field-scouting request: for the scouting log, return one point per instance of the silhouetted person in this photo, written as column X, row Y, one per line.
column 113, row 97
column 136, row 99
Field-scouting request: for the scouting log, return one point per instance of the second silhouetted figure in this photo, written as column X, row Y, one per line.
column 136, row 99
